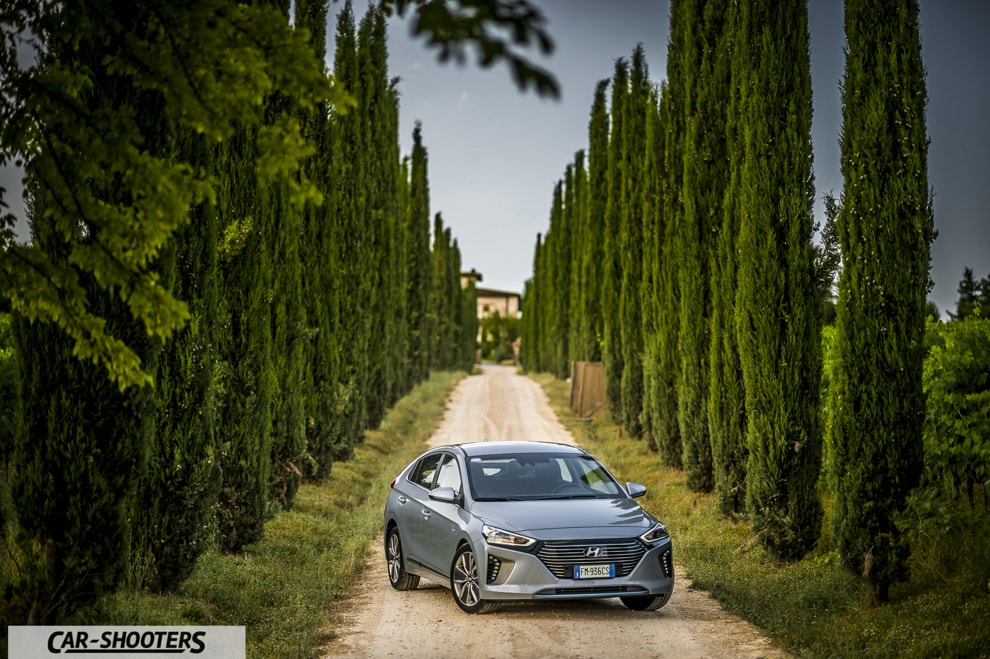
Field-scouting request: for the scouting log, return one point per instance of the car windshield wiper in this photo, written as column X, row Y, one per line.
column 549, row 497
column 503, row 498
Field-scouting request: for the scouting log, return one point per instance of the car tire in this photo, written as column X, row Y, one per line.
column 397, row 575
column 645, row 603
column 464, row 583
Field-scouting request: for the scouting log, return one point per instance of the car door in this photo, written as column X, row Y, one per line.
column 413, row 505
column 443, row 519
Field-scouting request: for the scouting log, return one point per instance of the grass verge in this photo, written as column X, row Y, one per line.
column 813, row 607
column 283, row 588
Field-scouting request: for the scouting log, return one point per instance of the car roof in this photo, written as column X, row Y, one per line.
column 518, row 447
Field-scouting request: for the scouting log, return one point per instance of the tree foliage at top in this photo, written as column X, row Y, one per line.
column 210, row 67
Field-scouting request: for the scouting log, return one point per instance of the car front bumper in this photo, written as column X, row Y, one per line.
column 506, row 574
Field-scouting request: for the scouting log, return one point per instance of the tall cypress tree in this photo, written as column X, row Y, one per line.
column 885, row 229
column 418, row 268
column 778, row 307
column 348, row 212
column 594, row 255
column 726, row 395
column 321, row 287
column 694, row 244
column 560, row 250
column 632, row 240
column 580, row 341
column 246, row 373
column 650, row 200
column 175, row 502
column 612, row 271
column 375, row 105
column 281, row 223
column 666, row 368
column 400, row 310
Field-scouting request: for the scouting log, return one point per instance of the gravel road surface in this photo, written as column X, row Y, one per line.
column 377, row 621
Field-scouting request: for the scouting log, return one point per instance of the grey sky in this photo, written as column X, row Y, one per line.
column 495, row 153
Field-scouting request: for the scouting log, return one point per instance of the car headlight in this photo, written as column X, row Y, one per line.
column 655, row 535
column 496, row 536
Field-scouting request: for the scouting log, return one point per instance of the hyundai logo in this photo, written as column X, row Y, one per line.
column 595, row 552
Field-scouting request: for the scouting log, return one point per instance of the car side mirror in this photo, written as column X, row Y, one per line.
column 445, row 494
column 635, row 490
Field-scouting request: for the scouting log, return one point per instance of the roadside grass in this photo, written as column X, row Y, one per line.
column 813, row 607
column 284, row 588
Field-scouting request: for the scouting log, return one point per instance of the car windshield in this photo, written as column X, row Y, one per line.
column 539, row 476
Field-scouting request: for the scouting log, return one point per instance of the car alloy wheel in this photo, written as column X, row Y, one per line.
column 397, row 575
column 464, row 583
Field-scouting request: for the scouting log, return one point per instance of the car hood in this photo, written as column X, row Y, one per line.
column 567, row 518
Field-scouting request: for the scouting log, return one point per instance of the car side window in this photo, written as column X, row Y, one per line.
column 424, row 472
column 450, row 474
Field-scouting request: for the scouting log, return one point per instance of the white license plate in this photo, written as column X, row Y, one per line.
column 594, row 571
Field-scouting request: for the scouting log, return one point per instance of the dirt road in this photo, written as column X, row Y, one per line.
column 426, row 623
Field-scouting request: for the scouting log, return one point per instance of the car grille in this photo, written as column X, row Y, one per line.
column 561, row 557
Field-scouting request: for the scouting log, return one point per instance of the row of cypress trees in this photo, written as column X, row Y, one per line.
column 307, row 321
column 707, row 300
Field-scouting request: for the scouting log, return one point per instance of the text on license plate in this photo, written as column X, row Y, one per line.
column 594, row 571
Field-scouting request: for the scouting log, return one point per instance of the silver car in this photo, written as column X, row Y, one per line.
column 514, row 520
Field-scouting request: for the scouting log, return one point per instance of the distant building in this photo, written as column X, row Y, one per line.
column 490, row 301
column 507, row 304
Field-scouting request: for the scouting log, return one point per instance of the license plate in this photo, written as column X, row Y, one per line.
column 594, row 571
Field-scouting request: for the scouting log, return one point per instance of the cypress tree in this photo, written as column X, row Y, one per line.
column 594, row 254
column 438, row 296
column 612, row 256
column 560, row 251
column 281, row 223
column 653, row 229
column 401, row 279
column 725, row 66
column 468, row 327
column 583, row 344
column 175, row 502
column 778, row 307
column 320, row 286
column 693, row 245
column 348, row 210
column 885, row 230
column 418, row 269
column 395, row 288
column 578, row 221
column 632, row 240
column 246, row 377
column 665, row 367
column 375, row 107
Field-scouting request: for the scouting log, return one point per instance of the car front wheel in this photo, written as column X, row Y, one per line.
column 397, row 575
column 464, row 583
column 646, row 603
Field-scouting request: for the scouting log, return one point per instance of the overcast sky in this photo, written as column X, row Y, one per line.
column 495, row 153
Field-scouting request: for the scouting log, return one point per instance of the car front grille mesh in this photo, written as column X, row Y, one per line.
column 561, row 557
